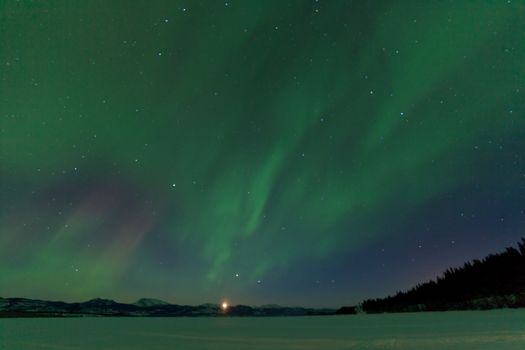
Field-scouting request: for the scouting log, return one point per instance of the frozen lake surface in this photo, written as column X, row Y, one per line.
column 498, row 330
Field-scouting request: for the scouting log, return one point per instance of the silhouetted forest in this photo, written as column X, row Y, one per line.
column 497, row 281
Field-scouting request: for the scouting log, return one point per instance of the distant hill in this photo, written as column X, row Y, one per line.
column 20, row 307
column 145, row 302
column 497, row 281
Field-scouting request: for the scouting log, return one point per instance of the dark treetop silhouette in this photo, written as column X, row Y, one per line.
column 494, row 282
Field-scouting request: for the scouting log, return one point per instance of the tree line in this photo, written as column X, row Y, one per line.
column 497, row 281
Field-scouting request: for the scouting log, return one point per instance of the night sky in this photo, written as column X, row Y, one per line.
column 290, row 152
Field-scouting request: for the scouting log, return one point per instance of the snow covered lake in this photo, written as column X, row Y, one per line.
column 498, row 330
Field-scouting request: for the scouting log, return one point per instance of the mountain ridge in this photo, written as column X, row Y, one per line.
column 146, row 307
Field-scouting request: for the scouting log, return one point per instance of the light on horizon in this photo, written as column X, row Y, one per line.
column 225, row 306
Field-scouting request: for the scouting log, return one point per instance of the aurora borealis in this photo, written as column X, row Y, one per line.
column 290, row 152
